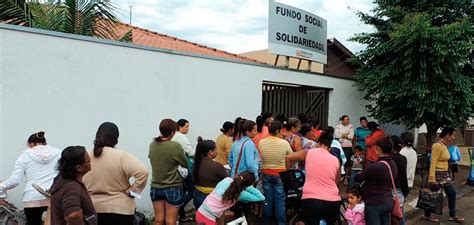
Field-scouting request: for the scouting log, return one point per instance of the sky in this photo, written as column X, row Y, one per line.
column 238, row 26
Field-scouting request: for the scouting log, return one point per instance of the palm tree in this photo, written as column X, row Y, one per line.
column 84, row 17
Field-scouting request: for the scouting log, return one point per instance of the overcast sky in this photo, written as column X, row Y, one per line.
column 238, row 25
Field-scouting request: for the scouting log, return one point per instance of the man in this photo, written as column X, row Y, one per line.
column 361, row 133
column 180, row 137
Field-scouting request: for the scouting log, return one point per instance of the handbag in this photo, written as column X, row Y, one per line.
column 431, row 200
column 396, row 210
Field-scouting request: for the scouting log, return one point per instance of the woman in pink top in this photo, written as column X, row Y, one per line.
column 321, row 198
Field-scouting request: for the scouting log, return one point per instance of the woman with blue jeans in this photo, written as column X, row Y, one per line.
column 377, row 187
column 439, row 174
column 402, row 180
column 273, row 150
column 166, row 190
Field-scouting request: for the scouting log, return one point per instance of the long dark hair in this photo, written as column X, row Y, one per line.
column 106, row 136
column 37, row 138
column 235, row 135
column 242, row 181
column 202, row 148
column 71, row 157
column 246, row 125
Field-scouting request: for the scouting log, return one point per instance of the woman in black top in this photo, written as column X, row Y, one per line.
column 377, row 189
column 402, row 180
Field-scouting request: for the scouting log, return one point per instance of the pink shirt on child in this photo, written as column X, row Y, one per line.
column 321, row 172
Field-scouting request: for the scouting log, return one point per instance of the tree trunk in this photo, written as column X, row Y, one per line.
column 431, row 135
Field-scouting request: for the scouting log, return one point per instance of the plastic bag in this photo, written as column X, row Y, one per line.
column 431, row 200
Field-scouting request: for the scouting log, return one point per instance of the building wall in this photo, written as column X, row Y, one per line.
column 264, row 56
column 68, row 85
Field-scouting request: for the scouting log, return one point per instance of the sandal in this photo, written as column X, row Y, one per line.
column 431, row 219
column 185, row 220
column 456, row 219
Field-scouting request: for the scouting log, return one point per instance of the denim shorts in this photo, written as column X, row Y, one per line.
column 172, row 195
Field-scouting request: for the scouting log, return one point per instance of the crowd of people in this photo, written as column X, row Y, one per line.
column 242, row 164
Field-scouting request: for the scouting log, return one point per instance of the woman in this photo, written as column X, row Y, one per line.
column 236, row 133
column 371, row 141
column 412, row 158
column 263, row 122
column 226, row 194
column 402, row 180
column 224, row 143
column 344, row 132
column 292, row 127
column 166, row 190
column 273, row 150
column 377, row 187
column 207, row 173
column 109, row 180
column 38, row 165
column 321, row 198
column 70, row 201
column 307, row 137
column 244, row 155
column 440, row 175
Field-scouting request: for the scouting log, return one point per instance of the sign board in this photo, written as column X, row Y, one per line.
column 297, row 33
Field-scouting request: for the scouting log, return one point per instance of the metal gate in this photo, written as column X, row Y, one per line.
column 294, row 99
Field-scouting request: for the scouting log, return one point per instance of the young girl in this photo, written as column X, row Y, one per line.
column 355, row 211
column 226, row 194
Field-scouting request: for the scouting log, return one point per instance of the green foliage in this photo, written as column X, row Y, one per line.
column 83, row 17
column 415, row 62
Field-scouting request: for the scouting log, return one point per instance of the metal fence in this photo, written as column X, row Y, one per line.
column 294, row 99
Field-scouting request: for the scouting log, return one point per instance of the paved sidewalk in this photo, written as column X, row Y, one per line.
column 464, row 205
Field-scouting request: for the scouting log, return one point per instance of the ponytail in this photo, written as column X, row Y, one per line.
column 240, row 182
column 106, row 136
column 202, row 149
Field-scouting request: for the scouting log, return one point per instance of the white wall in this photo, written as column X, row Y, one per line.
column 67, row 86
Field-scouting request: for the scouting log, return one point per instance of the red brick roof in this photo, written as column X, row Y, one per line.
column 153, row 39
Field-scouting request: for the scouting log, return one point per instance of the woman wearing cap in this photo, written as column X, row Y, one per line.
column 38, row 166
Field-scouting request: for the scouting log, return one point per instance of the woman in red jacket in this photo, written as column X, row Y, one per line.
column 371, row 141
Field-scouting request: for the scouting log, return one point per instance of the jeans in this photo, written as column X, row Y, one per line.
column 189, row 192
column 352, row 177
column 450, row 191
column 198, row 199
column 378, row 214
column 171, row 195
column 402, row 204
column 274, row 196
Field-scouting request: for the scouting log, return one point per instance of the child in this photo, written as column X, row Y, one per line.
column 355, row 211
column 226, row 194
column 357, row 163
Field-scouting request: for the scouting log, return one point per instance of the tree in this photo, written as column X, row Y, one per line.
column 415, row 63
column 83, row 17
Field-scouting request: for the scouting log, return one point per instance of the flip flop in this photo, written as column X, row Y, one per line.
column 186, row 220
column 431, row 219
column 456, row 219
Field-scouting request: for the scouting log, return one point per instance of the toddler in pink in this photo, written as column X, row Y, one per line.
column 356, row 210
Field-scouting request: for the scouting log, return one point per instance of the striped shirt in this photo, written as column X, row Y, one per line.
column 274, row 150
